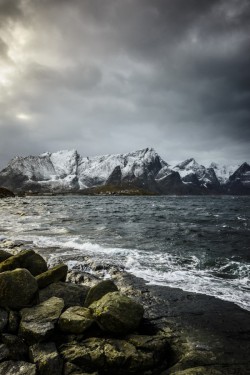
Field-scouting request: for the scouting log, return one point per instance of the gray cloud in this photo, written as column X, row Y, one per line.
column 117, row 75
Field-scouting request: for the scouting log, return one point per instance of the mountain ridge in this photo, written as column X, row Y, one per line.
column 68, row 171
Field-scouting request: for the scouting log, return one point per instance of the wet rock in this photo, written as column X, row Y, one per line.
column 73, row 295
column 4, row 255
column 17, row 368
column 112, row 356
column 3, row 319
column 38, row 322
column 14, row 320
column 46, row 358
column 18, row 289
column 116, row 313
column 17, row 348
column 75, row 320
column 99, row 290
column 25, row 259
column 57, row 273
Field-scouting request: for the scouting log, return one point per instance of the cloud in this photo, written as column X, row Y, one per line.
column 117, row 75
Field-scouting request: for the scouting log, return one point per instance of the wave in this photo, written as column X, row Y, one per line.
column 226, row 279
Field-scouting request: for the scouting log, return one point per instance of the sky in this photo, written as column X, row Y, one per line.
column 114, row 76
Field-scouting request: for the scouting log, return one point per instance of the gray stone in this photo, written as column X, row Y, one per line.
column 17, row 368
column 75, row 320
column 117, row 313
column 99, row 290
column 72, row 294
column 38, row 322
column 57, row 273
column 46, row 358
column 18, row 289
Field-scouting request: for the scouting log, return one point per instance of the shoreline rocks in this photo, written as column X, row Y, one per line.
column 52, row 327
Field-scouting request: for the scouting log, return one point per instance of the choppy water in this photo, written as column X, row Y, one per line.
column 198, row 244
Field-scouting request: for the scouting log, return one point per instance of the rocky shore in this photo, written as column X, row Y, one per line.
column 60, row 321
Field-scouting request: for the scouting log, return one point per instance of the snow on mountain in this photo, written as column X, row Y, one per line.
column 223, row 172
column 96, row 170
column 194, row 173
column 67, row 171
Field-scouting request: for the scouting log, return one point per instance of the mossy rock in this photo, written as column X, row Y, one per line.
column 18, row 289
column 117, row 313
column 4, row 255
column 46, row 358
column 17, row 368
column 75, row 320
column 28, row 259
column 99, row 290
column 38, row 322
column 113, row 356
column 72, row 294
column 57, row 273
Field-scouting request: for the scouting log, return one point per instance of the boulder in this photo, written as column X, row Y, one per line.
column 99, row 290
column 46, row 358
column 3, row 319
column 17, row 368
column 72, row 294
column 116, row 313
column 113, row 356
column 75, row 320
column 38, row 322
column 18, row 350
column 4, row 255
column 57, row 273
column 25, row 259
column 18, row 289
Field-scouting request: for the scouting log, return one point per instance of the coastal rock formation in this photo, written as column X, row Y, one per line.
column 179, row 335
column 67, row 171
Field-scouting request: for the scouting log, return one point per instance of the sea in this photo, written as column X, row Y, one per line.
column 200, row 244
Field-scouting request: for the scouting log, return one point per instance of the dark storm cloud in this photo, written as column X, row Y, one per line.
column 117, row 75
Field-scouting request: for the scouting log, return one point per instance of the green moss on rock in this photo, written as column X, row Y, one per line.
column 116, row 313
column 57, row 273
column 18, row 289
column 75, row 320
column 99, row 290
column 28, row 259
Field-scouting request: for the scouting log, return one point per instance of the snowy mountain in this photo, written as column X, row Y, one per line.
column 67, row 171
column 223, row 172
column 193, row 173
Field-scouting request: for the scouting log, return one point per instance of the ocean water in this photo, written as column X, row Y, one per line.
column 196, row 243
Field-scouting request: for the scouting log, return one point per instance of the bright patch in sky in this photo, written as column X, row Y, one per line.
column 23, row 116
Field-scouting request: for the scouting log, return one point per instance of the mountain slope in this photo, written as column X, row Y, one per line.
column 67, row 171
